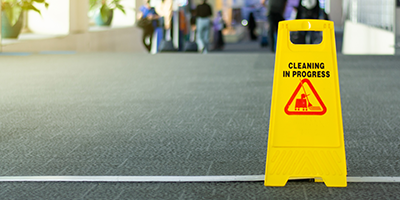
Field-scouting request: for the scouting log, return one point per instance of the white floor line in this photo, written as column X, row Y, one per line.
column 130, row 178
column 249, row 178
column 374, row 179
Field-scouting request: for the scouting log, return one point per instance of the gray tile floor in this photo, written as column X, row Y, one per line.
column 178, row 114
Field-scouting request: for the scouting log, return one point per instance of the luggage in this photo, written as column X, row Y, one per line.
column 166, row 46
column 190, row 46
column 264, row 41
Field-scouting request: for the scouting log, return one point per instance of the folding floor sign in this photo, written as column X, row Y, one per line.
column 306, row 132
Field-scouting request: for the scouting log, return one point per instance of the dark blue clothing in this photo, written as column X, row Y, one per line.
column 146, row 11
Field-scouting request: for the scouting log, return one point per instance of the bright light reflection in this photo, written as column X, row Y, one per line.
column 244, row 22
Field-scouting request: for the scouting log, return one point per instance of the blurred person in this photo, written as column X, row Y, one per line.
column 164, row 9
column 276, row 8
column 191, row 45
column 308, row 9
column 252, row 26
column 218, row 25
column 193, row 26
column 193, row 20
column 146, row 11
column 264, row 26
column 203, row 13
column 291, row 9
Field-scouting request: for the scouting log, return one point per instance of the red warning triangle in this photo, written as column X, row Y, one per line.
column 303, row 105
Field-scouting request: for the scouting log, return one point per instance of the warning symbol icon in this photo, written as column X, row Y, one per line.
column 307, row 101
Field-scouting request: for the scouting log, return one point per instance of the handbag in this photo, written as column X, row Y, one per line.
column 143, row 22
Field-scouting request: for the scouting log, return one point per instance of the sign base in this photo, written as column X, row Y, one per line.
column 322, row 165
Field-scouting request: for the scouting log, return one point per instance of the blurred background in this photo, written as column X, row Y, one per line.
column 362, row 26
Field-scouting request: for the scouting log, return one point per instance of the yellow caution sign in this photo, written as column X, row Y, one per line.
column 306, row 137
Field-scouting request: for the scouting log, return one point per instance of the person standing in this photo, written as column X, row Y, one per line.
column 308, row 9
column 252, row 26
column 164, row 10
column 219, row 25
column 204, row 12
column 146, row 11
column 276, row 8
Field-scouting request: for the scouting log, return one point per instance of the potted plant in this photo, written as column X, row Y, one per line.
column 104, row 10
column 12, row 14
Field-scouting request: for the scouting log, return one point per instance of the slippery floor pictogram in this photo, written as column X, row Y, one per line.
column 303, row 105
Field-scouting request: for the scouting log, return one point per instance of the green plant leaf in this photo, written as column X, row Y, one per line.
column 29, row 6
column 116, row 2
column 13, row 8
column 104, row 12
column 121, row 8
column 94, row 4
column 12, row 12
